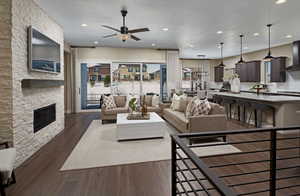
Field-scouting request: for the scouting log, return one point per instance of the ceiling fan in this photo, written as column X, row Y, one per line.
column 124, row 33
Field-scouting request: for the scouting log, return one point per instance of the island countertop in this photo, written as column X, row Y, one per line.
column 260, row 97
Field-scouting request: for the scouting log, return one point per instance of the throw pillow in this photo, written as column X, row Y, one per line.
column 176, row 101
column 201, row 107
column 189, row 107
column 120, row 101
column 148, row 100
column 155, row 100
column 183, row 104
column 109, row 102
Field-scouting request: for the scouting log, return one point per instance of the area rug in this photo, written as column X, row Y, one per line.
column 98, row 148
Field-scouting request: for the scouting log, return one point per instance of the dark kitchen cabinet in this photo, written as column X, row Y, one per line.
column 219, row 74
column 249, row 71
column 278, row 69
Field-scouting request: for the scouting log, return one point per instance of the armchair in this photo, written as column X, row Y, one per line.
column 7, row 160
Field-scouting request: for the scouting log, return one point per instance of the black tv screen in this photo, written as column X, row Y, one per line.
column 44, row 53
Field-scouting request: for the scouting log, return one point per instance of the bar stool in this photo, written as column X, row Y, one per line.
column 241, row 107
column 228, row 102
column 258, row 113
column 217, row 99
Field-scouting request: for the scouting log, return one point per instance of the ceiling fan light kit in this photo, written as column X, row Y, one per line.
column 124, row 33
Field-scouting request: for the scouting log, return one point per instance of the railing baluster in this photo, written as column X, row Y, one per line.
column 173, row 168
column 273, row 155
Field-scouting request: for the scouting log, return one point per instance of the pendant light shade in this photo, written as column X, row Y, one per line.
column 241, row 58
column 221, row 48
column 269, row 56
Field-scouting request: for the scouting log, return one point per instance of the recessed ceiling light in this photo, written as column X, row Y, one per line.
column 191, row 45
column 96, row 42
column 153, row 44
column 165, row 29
column 84, row 25
column 280, row 1
column 219, row 32
column 288, row 36
column 256, row 34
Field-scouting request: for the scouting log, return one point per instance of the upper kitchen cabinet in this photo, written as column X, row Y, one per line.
column 219, row 74
column 249, row 71
column 278, row 69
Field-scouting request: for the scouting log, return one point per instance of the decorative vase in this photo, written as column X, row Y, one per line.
column 235, row 85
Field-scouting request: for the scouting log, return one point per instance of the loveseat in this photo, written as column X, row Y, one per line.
column 122, row 107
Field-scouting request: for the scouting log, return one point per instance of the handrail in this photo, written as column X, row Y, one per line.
column 235, row 132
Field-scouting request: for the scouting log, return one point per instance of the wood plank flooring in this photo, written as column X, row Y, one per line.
column 40, row 175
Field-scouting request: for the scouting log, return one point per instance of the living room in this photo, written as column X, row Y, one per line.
column 128, row 98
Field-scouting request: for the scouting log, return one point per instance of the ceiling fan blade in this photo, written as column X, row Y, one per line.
column 135, row 38
column 108, row 27
column 112, row 35
column 138, row 30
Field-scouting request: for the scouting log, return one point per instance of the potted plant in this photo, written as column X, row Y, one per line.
column 107, row 81
column 133, row 105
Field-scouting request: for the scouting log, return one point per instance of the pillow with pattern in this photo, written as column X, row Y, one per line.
column 109, row 102
column 189, row 107
column 201, row 107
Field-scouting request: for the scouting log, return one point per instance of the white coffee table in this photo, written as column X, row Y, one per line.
column 153, row 128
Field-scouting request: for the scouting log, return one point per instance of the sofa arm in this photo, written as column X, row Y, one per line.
column 164, row 105
column 203, row 123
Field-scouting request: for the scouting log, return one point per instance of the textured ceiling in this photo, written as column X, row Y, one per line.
column 190, row 22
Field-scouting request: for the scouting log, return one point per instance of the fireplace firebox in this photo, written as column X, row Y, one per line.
column 44, row 116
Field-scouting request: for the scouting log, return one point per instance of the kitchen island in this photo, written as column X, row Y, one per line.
column 287, row 108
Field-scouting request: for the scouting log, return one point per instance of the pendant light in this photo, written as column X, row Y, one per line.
column 221, row 48
column 269, row 57
column 241, row 59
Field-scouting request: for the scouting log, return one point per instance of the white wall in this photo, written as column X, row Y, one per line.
column 24, row 14
column 107, row 54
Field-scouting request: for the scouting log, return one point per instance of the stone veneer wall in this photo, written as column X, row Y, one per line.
column 5, row 72
column 24, row 14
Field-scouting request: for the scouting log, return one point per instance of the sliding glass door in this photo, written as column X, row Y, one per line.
column 95, row 81
column 130, row 79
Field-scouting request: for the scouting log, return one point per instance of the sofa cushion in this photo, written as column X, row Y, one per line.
column 7, row 161
column 176, row 115
column 153, row 109
column 216, row 109
column 109, row 102
column 114, row 111
column 120, row 101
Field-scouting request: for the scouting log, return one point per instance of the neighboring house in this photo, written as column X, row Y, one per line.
column 128, row 72
column 154, row 75
column 99, row 72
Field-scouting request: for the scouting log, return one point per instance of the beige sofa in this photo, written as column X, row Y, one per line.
column 121, row 103
column 214, row 121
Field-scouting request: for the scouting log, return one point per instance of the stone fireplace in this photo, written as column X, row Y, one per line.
column 23, row 103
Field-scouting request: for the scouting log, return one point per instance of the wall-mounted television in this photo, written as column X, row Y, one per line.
column 43, row 52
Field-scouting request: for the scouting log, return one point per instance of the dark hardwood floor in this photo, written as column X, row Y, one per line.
column 40, row 175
